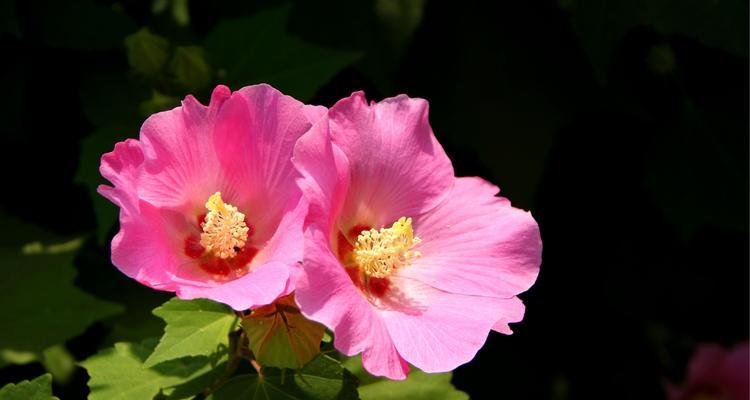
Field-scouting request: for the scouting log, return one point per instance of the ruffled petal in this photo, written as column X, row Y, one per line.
column 122, row 166
column 146, row 249
column 437, row 331
column 181, row 164
column 512, row 311
column 475, row 243
column 398, row 168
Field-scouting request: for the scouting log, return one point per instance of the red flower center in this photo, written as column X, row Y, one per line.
column 219, row 242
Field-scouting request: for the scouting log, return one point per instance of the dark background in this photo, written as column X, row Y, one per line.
column 622, row 125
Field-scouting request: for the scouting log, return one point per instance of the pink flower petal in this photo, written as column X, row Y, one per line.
column 255, row 134
column 437, row 331
column 144, row 248
column 259, row 287
column 121, row 167
column 475, row 243
column 397, row 166
column 181, row 164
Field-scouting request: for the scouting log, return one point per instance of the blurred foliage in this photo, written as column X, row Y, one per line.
column 602, row 25
column 621, row 124
column 258, row 49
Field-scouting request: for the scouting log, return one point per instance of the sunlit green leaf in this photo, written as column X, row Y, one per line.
column 194, row 328
column 118, row 374
column 417, row 386
column 257, row 49
column 321, row 379
column 37, row 389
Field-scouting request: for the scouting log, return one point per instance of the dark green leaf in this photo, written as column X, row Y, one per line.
column 92, row 149
column 109, row 99
column 181, row 12
column 80, row 24
column 40, row 302
column 38, row 389
column 321, row 379
column 8, row 18
column 257, row 49
column 147, row 52
column 190, row 67
column 601, row 25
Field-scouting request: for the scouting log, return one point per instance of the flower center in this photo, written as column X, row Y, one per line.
column 379, row 252
column 224, row 229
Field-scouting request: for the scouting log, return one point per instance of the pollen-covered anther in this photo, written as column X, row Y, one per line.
column 224, row 228
column 380, row 252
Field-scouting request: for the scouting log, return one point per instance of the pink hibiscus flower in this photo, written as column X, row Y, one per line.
column 715, row 373
column 209, row 207
column 403, row 261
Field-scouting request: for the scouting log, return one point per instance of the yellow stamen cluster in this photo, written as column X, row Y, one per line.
column 224, row 229
column 379, row 252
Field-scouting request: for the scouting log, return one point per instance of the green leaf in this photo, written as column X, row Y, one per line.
column 147, row 52
column 105, row 110
column 116, row 118
column 79, row 24
column 118, row 374
column 194, row 328
column 400, row 18
column 58, row 361
column 321, row 379
column 190, row 67
column 181, row 12
column 38, row 389
column 40, row 302
column 691, row 152
column 417, row 386
column 601, row 25
column 280, row 336
column 257, row 49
